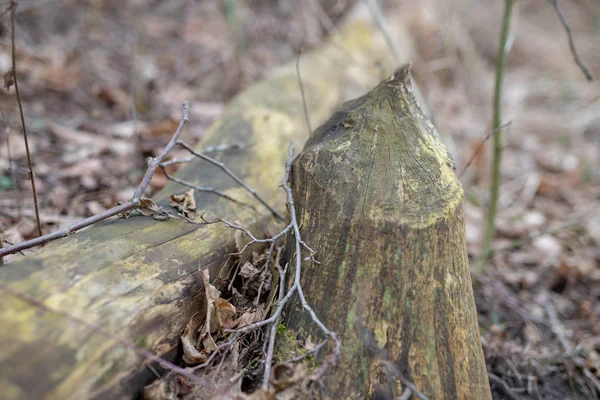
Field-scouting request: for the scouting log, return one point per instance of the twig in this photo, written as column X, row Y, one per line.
column 233, row 176
column 144, row 353
column 295, row 288
column 393, row 46
column 503, row 386
column 225, row 147
column 565, row 24
column 413, row 388
column 13, row 7
column 211, row 149
column 298, row 272
column 273, row 332
column 490, row 230
column 301, row 85
column 158, row 160
column 206, row 189
column 406, row 394
column 480, row 147
column 122, row 208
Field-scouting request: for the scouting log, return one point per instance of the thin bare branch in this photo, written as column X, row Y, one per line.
column 206, row 189
column 31, row 174
column 139, row 192
column 273, row 332
column 565, row 24
column 232, row 175
column 120, row 209
column 405, row 394
column 503, row 386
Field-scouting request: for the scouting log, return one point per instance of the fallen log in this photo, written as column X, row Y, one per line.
column 379, row 203
column 136, row 278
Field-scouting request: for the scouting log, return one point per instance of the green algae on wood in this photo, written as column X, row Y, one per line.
column 382, row 208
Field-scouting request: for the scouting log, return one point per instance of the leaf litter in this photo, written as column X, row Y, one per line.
column 213, row 349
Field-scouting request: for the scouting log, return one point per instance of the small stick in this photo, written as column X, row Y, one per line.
column 122, row 208
column 503, row 386
column 233, row 176
column 158, row 160
column 13, row 8
column 273, row 332
column 206, row 189
column 406, row 394
column 565, row 24
column 480, row 147
column 211, row 149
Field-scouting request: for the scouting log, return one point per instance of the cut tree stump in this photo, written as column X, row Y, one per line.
column 379, row 203
column 136, row 278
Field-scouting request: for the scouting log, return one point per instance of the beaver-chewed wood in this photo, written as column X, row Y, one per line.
column 379, row 202
column 136, row 278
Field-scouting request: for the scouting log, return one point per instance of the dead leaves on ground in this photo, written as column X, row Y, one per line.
column 213, row 349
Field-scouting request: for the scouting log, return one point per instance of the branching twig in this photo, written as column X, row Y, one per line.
column 296, row 287
column 31, row 174
column 205, row 189
column 565, row 24
column 122, row 208
column 158, row 160
column 273, row 332
column 405, row 395
column 233, row 176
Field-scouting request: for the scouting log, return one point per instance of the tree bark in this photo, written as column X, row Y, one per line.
column 378, row 201
column 137, row 278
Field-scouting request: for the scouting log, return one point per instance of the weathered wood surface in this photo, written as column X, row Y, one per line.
column 378, row 200
column 136, row 278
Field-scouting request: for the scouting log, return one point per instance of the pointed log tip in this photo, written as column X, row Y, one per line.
column 401, row 76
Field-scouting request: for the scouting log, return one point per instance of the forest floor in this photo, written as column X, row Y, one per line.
column 102, row 84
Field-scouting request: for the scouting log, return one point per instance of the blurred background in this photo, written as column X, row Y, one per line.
column 102, row 84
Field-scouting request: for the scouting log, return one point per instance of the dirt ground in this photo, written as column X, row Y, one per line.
column 102, row 83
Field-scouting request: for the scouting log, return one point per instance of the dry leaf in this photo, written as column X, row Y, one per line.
column 191, row 355
column 150, row 209
column 8, row 79
column 248, row 270
column 248, row 318
column 184, row 203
